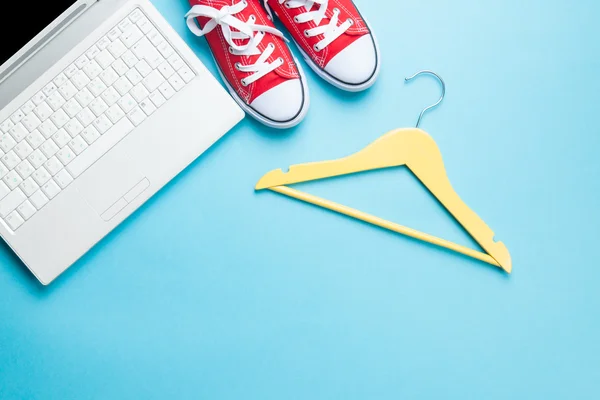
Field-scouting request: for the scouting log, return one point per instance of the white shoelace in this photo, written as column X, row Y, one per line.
column 253, row 33
column 330, row 31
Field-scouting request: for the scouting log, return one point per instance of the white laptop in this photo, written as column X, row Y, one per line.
column 101, row 104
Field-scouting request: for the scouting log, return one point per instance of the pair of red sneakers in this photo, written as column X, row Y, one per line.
column 257, row 66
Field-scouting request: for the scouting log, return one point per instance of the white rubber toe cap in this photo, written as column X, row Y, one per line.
column 356, row 64
column 283, row 103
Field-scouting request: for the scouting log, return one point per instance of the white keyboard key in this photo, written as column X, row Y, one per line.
column 110, row 96
column 29, row 187
column 6, row 125
column 80, row 80
column 3, row 170
column 176, row 61
column 41, row 176
column 37, row 158
column 49, row 88
column 17, row 116
column 131, row 35
column 122, row 85
column 92, row 52
column 166, row 90
column 74, row 127
column 4, row 190
column 100, row 147
column 144, row 25
column 166, row 70
column 7, row 143
column 137, row 116
column 72, row 108
column 26, row 210
column 102, row 123
column 25, row 169
column 123, row 25
column 165, row 49
column 176, row 82
column 139, row 92
column 120, row 67
column 55, row 100
column 134, row 76
column 186, row 74
column 12, row 179
column 117, row 48
column 147, row 106
column 97, row 87
column 127, row 103
column 103, row 43
column 155, row 37
column 143, row 68
column 53, row 165
column 60, row 80
column 49, row 148
column 90, row 134
column 153, row 81
column 18, row 132
column 35, row 139
column 78, row 145
column 65, row 155
column 43, row 111
column 14, row 220
column 157, row 98
column 114, row 33
column 61, row 138
column 86, row 117
column 28, row 107
column 114, row 113
column 92, row 69
column 109, row 76
column 136, row 15
column 68, row 90
column 59, row 118
column 98, row 106
column 47, row 129
column 71, row 70
column 39, row 199
column 23, row 149
column 50, row 189
column 10, row 160
column 31, row 122
column 63, row 178
column 38, row 98
column 129, row 58
column 84, row 97
column 10, row 202
column 104, row 58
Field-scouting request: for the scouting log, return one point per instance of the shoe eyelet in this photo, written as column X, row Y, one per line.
column 244, row 2
column 306, row 32
column 243, row 81
column 316, row 48
column 271, row 46
column 252, row 18
column 351, row 21
column 280, row 60
column 296, row 20
column 230, row 49
column 287, row 5
column 237, row 66
column 336, row 10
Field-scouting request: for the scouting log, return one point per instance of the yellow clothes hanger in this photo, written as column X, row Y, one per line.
column 415, row 149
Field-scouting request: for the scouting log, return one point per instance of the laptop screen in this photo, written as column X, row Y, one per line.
column 30, row 18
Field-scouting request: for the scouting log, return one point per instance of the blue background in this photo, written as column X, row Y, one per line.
column 213, row 291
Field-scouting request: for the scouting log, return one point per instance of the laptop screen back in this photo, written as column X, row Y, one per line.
column 24, row 21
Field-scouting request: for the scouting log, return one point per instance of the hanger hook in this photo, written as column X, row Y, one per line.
column 441, row 98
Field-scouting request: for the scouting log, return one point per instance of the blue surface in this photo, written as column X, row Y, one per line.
column 213, row 291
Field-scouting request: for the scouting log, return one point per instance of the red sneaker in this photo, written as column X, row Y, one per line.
column 334, row 39
column 253, row 59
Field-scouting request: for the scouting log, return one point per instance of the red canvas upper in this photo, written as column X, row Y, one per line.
column 321, row 58
column 227, row 61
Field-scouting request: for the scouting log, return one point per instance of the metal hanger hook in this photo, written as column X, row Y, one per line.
column 439, row 78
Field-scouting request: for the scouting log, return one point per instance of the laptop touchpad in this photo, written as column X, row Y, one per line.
column 108, row 180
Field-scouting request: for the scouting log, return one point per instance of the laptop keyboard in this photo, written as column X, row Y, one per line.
column 83, row 112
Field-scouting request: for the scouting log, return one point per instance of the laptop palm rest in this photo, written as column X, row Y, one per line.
column 105, row 185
